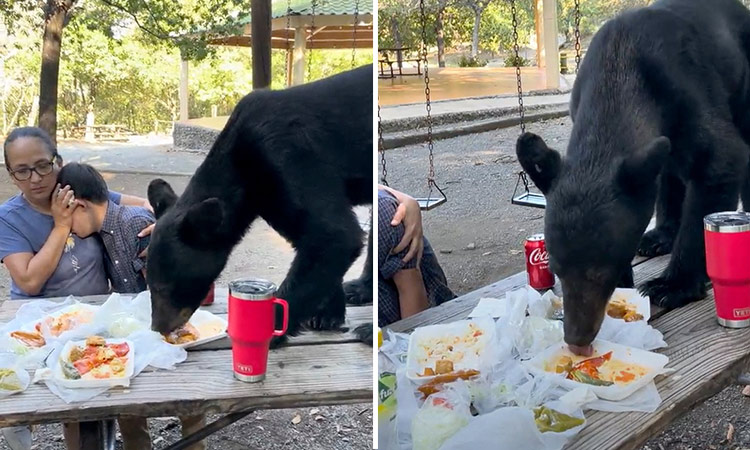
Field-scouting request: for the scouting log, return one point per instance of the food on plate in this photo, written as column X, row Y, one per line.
column 442, row 353
column 619, row 308
column 96, row 359
column 598, row 371
column 550, row 420
column 66, row 321
column 443, row 366
column 9, row 380
column 183, row 335
column 436, row 383
column 29, row 338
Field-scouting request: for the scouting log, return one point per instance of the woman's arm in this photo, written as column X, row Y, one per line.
column 132, row 200
column 31, row 271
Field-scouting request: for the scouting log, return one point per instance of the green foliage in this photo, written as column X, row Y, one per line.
column 127, row 75
column 468, row 61
column 520, row 61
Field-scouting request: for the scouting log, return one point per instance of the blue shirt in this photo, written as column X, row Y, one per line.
column 80, row 270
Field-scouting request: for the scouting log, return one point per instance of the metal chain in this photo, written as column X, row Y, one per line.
column 288, row 27
column 354, row 37
column 381, row 149
column 521, row 113
column 312, row 34
column 578, row 33
column 428, row 106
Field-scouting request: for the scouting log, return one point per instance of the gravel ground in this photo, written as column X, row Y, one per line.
column 479, row 236
column 262, row 253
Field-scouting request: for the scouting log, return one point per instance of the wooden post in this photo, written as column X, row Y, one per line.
column 298, row 66
column 551, row 51
column 261, row 32
column 539, row 27
column 214, row 110
column 89, row 133
column 289, row 67
column 184, row 91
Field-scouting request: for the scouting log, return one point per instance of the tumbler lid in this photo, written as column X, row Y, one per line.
column 252, row 289
column 727, row 222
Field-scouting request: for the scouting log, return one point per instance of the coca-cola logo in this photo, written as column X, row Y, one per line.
column 538, row 257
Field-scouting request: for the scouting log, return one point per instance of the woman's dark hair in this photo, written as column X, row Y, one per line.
column 27, row 132
column 87, row 183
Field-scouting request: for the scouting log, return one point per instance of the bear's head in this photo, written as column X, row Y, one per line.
column 598, row 206
column 184, row 255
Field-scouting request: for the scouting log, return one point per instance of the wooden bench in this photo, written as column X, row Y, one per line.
column 706, row 356
column 315, row 368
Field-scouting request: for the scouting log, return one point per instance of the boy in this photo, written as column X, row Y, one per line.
column 118, row 227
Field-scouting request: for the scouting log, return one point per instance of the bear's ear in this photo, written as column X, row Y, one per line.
column 637, row 173
column 202, row 223
column 539, row 161
column 161, row 196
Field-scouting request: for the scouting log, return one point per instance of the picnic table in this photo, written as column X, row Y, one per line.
column 315, row 368
column 706, row 358
column 386, row 60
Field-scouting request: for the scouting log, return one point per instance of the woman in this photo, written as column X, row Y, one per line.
column 44, row 259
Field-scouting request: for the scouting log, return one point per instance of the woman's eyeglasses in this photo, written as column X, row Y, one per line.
column 42, row 169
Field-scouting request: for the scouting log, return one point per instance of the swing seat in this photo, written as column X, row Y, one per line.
column 531, row 199
column 428, row 203
column 527, row 198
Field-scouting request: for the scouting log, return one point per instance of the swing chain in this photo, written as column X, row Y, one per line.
column 312, row 35
column 354, row 37
column 518, row 65
column 578, row 33
column 381, row 148
column 288, row 27
column 525, row 181
column 428, row 106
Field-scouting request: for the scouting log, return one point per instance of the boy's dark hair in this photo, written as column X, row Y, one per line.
column 85, row 181
column 27, row 132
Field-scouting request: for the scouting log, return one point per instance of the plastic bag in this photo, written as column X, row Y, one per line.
column 498, row 387
column 13, row 377
column 638, row 334
column 441, row 416
column 520, row 430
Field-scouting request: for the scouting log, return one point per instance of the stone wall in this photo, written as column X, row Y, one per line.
column 189, row 137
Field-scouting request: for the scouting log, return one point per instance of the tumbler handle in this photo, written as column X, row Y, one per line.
column 285, row 306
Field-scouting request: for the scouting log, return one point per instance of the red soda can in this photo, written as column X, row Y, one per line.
column 537, row 263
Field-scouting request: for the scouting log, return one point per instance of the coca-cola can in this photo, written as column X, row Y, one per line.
column 537, row 263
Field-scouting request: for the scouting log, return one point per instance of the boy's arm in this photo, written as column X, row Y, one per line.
column 412, row 295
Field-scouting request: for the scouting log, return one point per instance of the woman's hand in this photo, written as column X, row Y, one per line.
column 63, row 205
column 409, row 213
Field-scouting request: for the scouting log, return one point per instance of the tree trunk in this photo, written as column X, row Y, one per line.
column 440, row 38
column 55, row 15
column 475, row 33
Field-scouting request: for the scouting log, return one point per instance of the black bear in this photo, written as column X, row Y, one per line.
column 660, row 111
column 300, row 158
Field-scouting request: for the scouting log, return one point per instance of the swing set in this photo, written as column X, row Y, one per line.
column 527, row 197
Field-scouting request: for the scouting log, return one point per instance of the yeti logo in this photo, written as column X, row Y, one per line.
column 538, row 257
column 741, row 313
column 244, row 368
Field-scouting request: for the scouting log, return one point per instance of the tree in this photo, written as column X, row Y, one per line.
column 56, row 16
column 478, row 7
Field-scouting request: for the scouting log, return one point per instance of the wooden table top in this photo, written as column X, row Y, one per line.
column 706, row 358
column 315, row 368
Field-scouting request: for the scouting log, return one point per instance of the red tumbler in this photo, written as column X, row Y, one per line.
column 252, row 319
column 209, row 300
column 727, row 236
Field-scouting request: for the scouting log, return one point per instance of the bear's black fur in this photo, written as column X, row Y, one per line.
column 300, row 158
column 660, row 111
